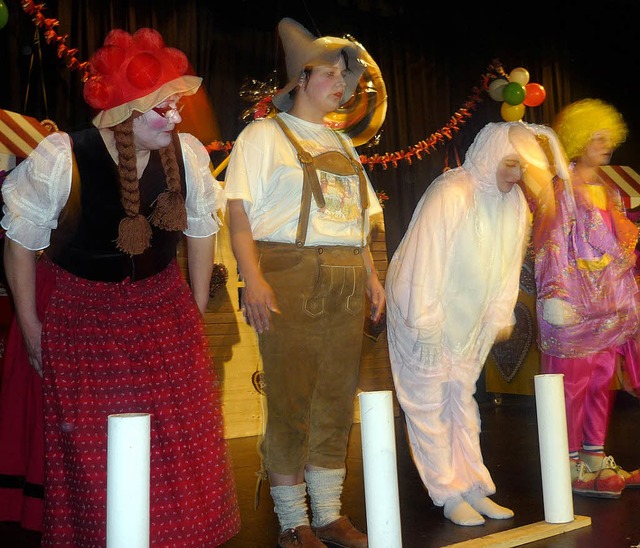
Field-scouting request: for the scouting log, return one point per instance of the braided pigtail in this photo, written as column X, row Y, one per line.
column 170, row 212
column 134, row 231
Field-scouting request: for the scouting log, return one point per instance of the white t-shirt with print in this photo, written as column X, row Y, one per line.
column 264, row 172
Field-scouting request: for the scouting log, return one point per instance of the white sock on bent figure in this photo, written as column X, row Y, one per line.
column 488, row 508
column 460, row 512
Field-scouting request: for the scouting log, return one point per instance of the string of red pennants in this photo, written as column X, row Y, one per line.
column 494, row 81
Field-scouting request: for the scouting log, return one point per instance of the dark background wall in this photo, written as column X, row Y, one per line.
column 431, row 55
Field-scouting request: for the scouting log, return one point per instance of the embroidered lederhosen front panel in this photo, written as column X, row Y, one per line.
column 339, row 283
column 319, row 279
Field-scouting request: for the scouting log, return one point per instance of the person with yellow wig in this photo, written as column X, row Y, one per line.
column 587, row 297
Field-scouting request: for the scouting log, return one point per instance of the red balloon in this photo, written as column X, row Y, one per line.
column 534, row 95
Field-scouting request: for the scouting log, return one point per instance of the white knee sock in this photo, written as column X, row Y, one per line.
column 325, row 489
column 290, row 505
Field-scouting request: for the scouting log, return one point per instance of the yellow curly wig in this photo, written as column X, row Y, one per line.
column 577, row 122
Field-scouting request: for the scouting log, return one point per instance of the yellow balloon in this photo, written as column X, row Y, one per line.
column 520, row 75
column 512, row 113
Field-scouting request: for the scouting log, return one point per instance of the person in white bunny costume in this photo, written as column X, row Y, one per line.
column 452, row 286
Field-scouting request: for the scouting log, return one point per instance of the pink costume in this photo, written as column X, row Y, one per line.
column 587, row 301
column 451, row 285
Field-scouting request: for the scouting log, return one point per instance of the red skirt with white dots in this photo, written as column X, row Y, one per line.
column 133, row 348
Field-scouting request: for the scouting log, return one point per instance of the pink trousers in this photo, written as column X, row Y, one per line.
column 588, row 393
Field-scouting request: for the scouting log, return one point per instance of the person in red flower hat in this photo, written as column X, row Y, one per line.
column 107, row 321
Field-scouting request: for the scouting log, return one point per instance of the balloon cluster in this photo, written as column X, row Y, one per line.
column 516, row 93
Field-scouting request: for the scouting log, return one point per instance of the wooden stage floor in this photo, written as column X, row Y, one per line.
column 510, row 446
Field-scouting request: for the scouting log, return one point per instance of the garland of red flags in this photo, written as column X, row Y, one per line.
column 426, row 145
column 445, row 133
column 423, row 147
column 51, row 36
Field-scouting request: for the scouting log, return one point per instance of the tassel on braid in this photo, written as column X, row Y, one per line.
column 134, row 231
column 170, row 212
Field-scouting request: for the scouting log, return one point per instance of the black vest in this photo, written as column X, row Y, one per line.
column 84, row 242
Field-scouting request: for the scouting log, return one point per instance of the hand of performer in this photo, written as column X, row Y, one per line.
column 375, row 290
column 32, row 336
column 258, row 302
column 428, row 348
column 376, row 295
column 430, row 354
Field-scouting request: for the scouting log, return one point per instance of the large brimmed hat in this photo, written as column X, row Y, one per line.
column 302, row 49
column 135, row 73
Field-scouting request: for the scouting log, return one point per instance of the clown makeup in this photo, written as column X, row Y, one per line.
column 168, row 110
column 599, row 149
column 509, row 173
column 152, row 130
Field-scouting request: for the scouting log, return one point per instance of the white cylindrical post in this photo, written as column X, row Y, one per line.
column 128, row 477
column 554, row 448
column 380, row 469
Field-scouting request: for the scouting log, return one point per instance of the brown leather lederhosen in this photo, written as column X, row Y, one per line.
column 311, row 353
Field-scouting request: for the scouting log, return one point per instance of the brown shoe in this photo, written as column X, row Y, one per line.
column 300, row 536
column 342, row 532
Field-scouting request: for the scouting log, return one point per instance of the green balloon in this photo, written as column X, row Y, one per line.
column 4, row 14
column 513, row 93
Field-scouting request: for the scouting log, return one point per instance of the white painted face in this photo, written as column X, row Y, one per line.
column 152, row 130
column 509, row 173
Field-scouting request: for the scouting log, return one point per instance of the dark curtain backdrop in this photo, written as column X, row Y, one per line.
column 430, row 55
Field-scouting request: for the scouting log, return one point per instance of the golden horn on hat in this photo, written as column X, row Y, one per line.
column 362, row 116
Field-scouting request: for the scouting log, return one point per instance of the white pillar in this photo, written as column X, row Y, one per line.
column 380, row 469
column 128, row 480
column 554, row 448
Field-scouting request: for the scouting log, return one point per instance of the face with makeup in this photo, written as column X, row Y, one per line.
column 153, row 129
column 321, row 89
column 599, row 149
column 509, row 173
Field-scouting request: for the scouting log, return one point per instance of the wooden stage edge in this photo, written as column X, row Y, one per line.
column 525, row 534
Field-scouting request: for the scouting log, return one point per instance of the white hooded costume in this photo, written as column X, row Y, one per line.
column 452, row 284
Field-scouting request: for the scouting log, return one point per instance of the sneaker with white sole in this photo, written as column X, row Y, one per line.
column 605, row 483
column 631, row 479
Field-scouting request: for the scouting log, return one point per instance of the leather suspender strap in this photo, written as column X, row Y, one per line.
column 364, row 194
column 307, row 164
column 357, row 167
column 310, row 185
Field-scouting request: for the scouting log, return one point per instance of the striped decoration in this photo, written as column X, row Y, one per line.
column 19, row 134
column 626, row 179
